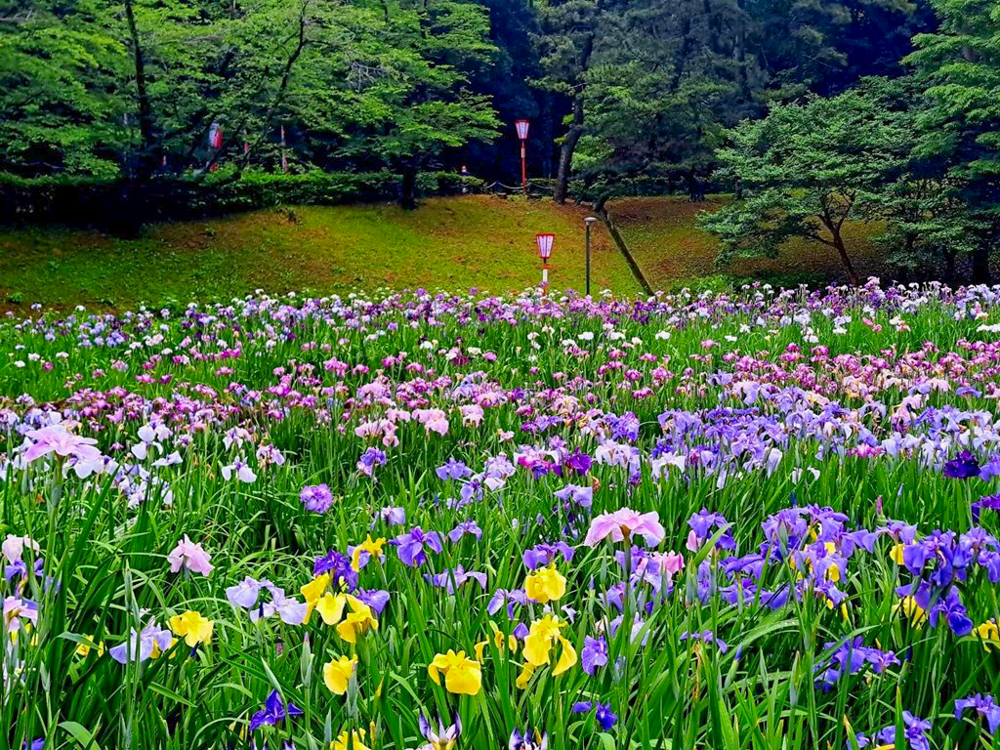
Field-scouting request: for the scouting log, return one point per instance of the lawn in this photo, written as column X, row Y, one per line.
column 451, row 243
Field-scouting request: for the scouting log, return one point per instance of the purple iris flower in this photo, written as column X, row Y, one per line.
column 338, row 565
column 316, row 498
column 453, row 470
column 377, row 599
column 274, row 712
column 991, row 468
column 411, row 546
column 706, row 636
column 451, row 579
column 465, row 527
column 141, row 645
column 594, row 654
column 984, row 706
column 370, row 459
column 848, row 658
column 513, row 598
column 989, row 502
column 604, row 715
column 573, row 494
column 579, row 462
column 963, row 466
column 20, row 568
column 954, row 611
column 393, row 516
column 542, row 554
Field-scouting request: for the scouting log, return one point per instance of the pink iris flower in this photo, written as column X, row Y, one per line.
column 624, row 524
column 57, row 439
column 190, row 555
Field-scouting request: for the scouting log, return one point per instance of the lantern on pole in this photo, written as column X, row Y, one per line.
column 284, row 156
column 522, row 134
column 544, row 244
column 215, row 136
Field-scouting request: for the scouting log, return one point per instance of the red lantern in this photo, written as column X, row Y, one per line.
column 522, row 133
column 544, row 244
column 215, row 136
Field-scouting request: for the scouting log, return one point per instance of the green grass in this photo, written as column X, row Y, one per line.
column 673, row 252
column 452, row 243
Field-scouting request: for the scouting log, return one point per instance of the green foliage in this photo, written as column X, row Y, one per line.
column 805, row 169
column 59, row 108
column 960, row 65
column 96, row 202
column 134, row 88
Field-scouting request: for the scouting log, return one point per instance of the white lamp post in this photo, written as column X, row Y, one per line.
column 544, row 243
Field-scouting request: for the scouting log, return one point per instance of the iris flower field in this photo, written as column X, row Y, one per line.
column 763, row 519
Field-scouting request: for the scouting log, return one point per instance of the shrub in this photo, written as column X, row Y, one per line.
column 74, row 200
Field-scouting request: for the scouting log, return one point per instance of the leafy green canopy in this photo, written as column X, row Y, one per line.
column 135, row 86
column 805, row 169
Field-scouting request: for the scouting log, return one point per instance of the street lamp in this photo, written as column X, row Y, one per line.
column 544, row 243
column 589, row 222
column 522, row 134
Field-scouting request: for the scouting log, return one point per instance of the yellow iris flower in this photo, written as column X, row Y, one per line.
column 358, row 621
column 545, row 585
column 498, row 641
column 83, row 649
column 909, row 607
column 359, row 618
column 192, row 627
column 337, row 674
column 372, row 546
column 525, row 676
column 989, row 633
column 541, row 639
column 313, row 591
column 462, row 675
column 896, row 554
column 348, row 742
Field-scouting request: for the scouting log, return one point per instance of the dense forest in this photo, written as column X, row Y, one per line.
column 812, row 112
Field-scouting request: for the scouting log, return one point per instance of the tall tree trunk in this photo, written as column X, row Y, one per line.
column 576, row 127
column 408, row 190
column 146, row 162
column 566, row 152
column 838, row 242
column 981, row 264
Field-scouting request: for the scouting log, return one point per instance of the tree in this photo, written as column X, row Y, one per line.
column 827, row 46
column 571, row 31
column 134, row 87
column 415, row 102
column 59, row 110
column 961, row 127
column 805, row 170
column 664, row 87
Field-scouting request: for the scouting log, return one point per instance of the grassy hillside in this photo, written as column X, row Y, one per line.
column 666, row 242
column 473, row 241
